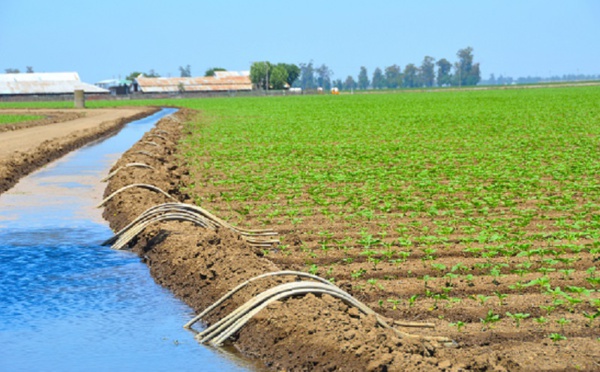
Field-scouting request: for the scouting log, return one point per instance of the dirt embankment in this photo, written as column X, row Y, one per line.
column 199, row 266
column 30, row 146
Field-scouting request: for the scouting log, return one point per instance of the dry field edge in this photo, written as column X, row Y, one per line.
column 40, row 148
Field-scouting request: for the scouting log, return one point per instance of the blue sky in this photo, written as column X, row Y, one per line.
column 110, row 38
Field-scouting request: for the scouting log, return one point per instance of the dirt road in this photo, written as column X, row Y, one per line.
column 29, row 146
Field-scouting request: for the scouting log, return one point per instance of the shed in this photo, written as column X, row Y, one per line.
column 116, row 86
column 44, row 83
column 223, row 81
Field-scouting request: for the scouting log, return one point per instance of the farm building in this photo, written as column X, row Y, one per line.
column 45, row 83
column 117, row 87
column 223, row 81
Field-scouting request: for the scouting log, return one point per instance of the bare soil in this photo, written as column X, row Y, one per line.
column 30, row 145
column 320, row 332
column 49, row 117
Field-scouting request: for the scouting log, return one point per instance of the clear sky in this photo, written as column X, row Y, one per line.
column 103, row 39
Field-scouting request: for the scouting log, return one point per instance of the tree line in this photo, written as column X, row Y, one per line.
column 429, row 73
column 508, row 80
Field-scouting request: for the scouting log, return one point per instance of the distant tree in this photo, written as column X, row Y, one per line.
column 133, row 75
column 378, row 81
column 338, row 84
column 259, row 74
column 444, row 77
column 185, row 71
column 29, row 70
column 293, row 72
column 349, row 83
column 278, row 76
column 211, row 71
column 307, row 76
column 324, row 74
column 492, row 80
column 12, row 70
column 504, row 80
column 411, row 76
column 393, row 76
column 466, row 73
column 474, row 76
column 426, row 72
column 363, row 78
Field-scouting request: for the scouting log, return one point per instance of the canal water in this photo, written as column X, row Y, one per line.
column 69, row 304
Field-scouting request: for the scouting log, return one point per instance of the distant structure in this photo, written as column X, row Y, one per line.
column 117, row 87
column 223, row 81
column 44, row 84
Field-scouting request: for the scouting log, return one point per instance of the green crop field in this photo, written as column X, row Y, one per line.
column 417, row 154
column 11, row 119
column 464, row 196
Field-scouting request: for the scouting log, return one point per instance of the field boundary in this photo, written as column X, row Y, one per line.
column 23, row 163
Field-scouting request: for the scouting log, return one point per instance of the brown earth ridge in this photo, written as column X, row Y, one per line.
column 27, row 148
column 297, row 334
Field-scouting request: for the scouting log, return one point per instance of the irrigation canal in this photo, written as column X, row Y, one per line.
column 68, row 304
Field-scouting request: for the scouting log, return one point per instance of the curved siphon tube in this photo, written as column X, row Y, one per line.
column 146, row 153
column 113, row 173
column 142, row 185
column 217, row 333
column 158, row 136
column 244, row 284
column 186, row 212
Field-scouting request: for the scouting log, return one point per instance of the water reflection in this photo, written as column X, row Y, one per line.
column 68, row 304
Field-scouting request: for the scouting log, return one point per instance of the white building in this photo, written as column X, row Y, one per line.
column 41, row 83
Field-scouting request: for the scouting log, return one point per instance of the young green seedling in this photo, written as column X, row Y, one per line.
column 450, row 277
column 394, row 302
column 591, row 317
column 482, row 299
column 518, row 286
column 412, row 300
column 555, row 337
column 501, row 297
column 541, row 320
column 549, row 309
column 566, row 273
column 517, row 317
column 562, row 322
column 358, row 273
column 372, row 282
column 490, row 319
column 459, row 325
column 426, row 279
column 438, row 266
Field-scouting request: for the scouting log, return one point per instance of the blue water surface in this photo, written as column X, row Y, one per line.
column 69, row 304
